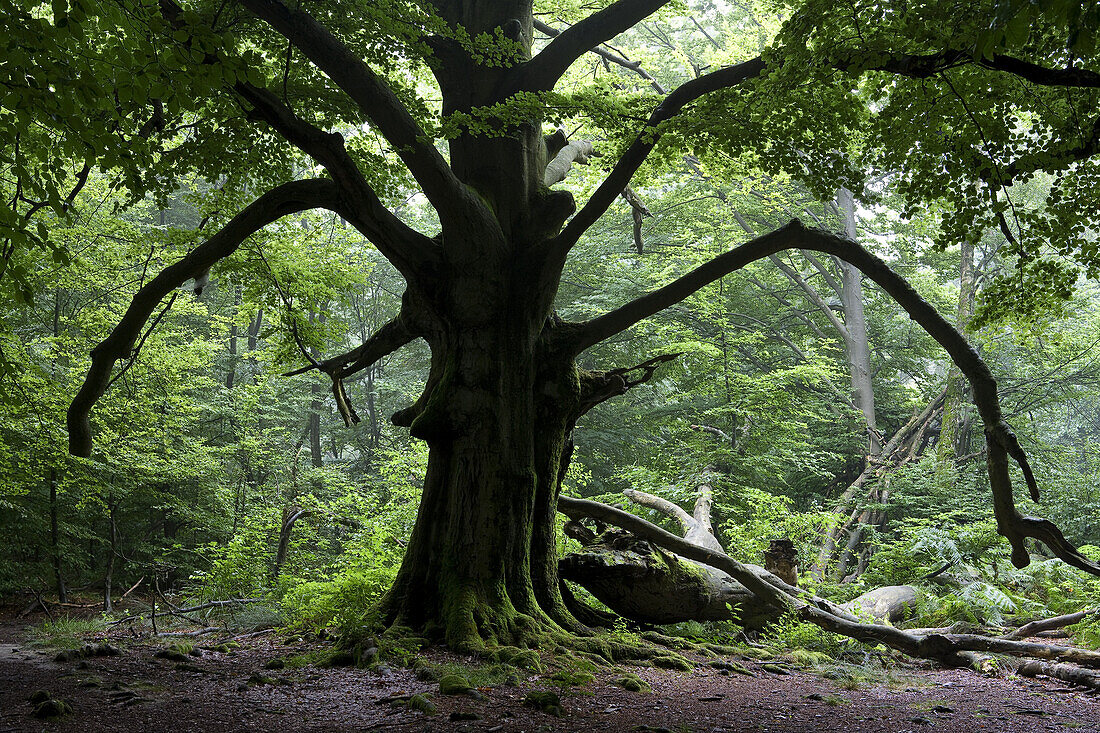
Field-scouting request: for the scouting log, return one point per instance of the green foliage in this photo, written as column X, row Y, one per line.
column 787, row 632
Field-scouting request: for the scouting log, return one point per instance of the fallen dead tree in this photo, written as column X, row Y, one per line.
column 947, row 648
column 643, row 582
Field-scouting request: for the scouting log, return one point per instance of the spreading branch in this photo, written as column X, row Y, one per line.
column 610, row 57
column 1001, row 441
column 386, row 340
column 406, row 248
column 378, row 102
column 544, row 70
column 597, row 387
column 923, row 66
column 289, row 198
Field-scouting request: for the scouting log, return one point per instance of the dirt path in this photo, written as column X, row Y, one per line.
column 213, row 692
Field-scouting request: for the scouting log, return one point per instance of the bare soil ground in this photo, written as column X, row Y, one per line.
column 137, row 691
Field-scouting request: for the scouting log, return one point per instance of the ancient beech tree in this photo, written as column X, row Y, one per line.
column 504, row 391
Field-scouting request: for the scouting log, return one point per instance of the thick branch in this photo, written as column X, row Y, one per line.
column 614, row 58
column 378, row 102
column 289, row 198
column 576, row 151
column 406, row 248
column 386, row 340
column 924, row 66
column 1046, row 624
column 664, row 506
column 598, row 387
column 410, row 251
column 1000, row 439
column 544, row 70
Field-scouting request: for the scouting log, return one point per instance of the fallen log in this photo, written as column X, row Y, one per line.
column 643, row 582
column 640, row 581
column 1066, row 672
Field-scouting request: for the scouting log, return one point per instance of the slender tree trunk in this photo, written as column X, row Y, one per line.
column 234, row 333
column 55, row 541
column 112, row 550
column 953, row 433
column 855, row 321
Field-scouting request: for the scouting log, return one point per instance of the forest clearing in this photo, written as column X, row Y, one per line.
column 626, row 364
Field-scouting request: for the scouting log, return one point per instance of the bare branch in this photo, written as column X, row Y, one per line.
column 1046, row 624
column 576, row 151
column 664, row 506
column 289, row 198
column 614, row 58
column 639, row 150
column 638, row 212
column 812, row 296
column 544, row 70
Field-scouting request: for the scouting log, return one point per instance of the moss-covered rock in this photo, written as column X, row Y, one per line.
column 572, row 677
column 422, row 704
column 454, row 684
column 544, row 700
column 632, row 683
column 727, row 666
column 47, row 708
column 529, row 660
column 505, row 654
column 672, row 661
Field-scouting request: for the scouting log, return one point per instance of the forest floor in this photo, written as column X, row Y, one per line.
column 235, row 690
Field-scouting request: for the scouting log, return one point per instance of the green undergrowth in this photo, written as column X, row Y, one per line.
column 872, row 673
column 65, row 632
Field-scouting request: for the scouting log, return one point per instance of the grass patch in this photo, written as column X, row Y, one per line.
column 66, row 632
column 485, row 675
column 855, row 676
